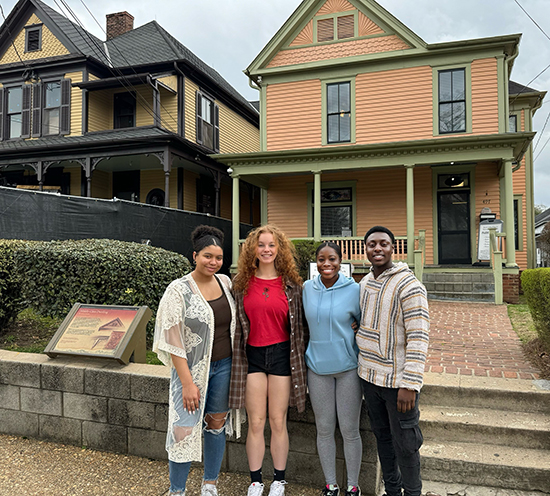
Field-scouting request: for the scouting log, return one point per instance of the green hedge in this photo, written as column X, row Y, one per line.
column 54, row 275
column 305, row 253
column 10, row 287
column 536, row 287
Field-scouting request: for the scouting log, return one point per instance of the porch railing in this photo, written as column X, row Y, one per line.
column 353, row 248
column 496, row 262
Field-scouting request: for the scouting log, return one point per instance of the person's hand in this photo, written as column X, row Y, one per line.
column 191, row 396
column 355, row 326
column 405, row 400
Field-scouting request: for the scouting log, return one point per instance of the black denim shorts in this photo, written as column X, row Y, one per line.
column 271, row 360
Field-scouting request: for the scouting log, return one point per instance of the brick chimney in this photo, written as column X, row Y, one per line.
column 118, row 24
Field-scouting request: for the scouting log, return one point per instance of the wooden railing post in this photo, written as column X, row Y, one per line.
column 419, row 255
column 496, row 264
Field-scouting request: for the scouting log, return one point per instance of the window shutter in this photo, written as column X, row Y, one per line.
column 36, row 110
column 65, row 110
column 325, row 29
column 1, row 114
column 346, row 27
column 26, row 111
column 198, row 119
column 216, row 122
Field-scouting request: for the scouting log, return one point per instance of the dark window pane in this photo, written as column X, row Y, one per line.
column 333, row 128
column 332, row 98
column 516, row 224
column 459, row 116
column 445, row 86
column 335, row 220
column 445, row 117
column 345, row 127
column 51, row 121
column 513, row 123
column 455, row 247
column 344, row 97
column 458, row 85
column 15, row 125
column 53, row 94
column 14, row 100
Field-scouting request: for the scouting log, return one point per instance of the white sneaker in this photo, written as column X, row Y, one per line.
column 255, row 489
column 277, row 488
column 209, row 490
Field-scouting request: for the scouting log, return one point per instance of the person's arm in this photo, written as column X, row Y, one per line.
column 190, row 392
column 416, row 318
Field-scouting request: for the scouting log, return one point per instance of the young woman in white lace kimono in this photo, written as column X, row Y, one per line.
column 194, row 330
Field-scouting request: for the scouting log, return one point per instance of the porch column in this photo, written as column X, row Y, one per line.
column 410, row 214
column 509, row 214
column 40, row 175
column 317, row 206
column 235, row 217
column 167, row 166
column 263, row 206
column 88, row 173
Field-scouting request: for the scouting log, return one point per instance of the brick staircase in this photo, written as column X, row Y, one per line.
column 462, row 286
column 486, row 432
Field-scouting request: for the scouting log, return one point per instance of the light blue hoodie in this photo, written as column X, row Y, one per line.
column 330, row 313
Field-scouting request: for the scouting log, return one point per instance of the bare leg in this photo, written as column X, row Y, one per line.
column 278, row 393
column 256, row 410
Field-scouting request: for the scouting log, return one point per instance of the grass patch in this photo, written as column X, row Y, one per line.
column 535, row 351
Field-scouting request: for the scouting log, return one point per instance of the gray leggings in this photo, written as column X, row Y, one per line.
column 332, row 396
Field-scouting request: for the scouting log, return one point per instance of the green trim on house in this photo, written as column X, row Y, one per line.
column 502, row 94
column 326, row 185
column 458, row 169
column 324, row 123
column 468, row 95
column 263, row 118
column 477, row 270
column 264, row 219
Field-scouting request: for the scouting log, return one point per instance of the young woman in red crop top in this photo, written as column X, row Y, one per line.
column 268, row 369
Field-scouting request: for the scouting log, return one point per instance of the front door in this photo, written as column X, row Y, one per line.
column 454, row 227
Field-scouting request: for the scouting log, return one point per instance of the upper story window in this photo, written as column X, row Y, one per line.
column 513, row 123
column 14, row 112
column 452, row 101
column 339, row 112
column 124, row 110
column 33, row 38
column 52, row 106
column 337, row 27
column 208, row 128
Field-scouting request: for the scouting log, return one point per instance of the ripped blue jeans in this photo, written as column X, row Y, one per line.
column 216, row 401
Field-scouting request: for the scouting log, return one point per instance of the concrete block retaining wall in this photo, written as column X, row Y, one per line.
column 112, row 407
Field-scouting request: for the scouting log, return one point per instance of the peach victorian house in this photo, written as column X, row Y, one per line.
column 364, row 123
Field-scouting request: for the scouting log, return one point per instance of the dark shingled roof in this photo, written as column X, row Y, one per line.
column 516, row 88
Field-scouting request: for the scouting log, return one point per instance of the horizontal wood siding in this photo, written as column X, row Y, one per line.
column 237, row 135
column 51, row 46
column 190, row 110
column 294, row 115
column 102, row 184
column 76, row 103
column 484, row 96
column 100, row 110
column 394, row 105
column 148, row 180
column 423, row 208
column 226, row 206
column 169, row 110
column 487, row 188
column 287, row 204
column 144, row 105
column 75, row 173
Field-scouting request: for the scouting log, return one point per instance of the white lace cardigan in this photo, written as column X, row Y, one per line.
column 184, row 327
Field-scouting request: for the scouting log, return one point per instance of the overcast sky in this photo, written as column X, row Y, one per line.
column 228, row 34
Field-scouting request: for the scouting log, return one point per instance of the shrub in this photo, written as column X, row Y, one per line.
column 305, row 253
column 10, row 286
column 58, row 274
column 536, row 287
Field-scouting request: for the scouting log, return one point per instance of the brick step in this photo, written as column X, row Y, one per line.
column 469, row 425
column 486, row 465
column 473, row 297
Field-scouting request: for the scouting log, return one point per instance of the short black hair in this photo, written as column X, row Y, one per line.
column 204, row 236
column 329, row 244
column 376, row 229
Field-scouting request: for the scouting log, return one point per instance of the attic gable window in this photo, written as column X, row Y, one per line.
column 337, row 27
column 33, row 39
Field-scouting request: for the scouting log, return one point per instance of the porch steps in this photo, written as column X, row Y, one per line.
column 486, row 432
column 462, row 286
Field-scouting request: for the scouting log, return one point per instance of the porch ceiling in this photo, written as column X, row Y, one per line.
column 435, row 151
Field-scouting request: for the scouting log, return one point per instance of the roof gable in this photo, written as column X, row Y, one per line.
column 303, row 38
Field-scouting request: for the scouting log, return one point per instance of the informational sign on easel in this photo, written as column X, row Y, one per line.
column 115, row 332
column 483, row 243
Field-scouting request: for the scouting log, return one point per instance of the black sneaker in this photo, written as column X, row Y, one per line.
column 330, row 491
column 353, row 491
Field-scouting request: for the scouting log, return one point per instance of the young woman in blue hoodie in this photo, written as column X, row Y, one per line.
column 331, row 305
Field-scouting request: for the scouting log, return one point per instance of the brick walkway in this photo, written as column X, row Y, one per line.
column 475, row 339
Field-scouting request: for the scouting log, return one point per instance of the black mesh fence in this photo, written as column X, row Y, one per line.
column 33, row 215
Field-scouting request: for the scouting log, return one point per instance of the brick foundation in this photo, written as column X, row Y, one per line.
column 510, row 288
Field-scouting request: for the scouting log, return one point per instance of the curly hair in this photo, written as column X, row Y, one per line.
column 285, row 262
column 204, row 236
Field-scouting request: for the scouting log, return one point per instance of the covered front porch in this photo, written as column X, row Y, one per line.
column 430, row 193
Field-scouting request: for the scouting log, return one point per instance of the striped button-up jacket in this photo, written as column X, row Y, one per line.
column 298, row 337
